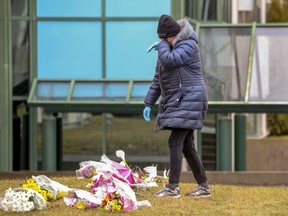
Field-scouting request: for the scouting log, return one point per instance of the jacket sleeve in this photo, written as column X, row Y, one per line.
column 154, row 90
column 181, row 55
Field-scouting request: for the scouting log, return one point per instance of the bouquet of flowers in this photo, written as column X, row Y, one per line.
column 112, row 191
column 81, row 199
column 31, row 184
column 21, row 200
column 112, row 202
column 88, row 169
column 49, row 189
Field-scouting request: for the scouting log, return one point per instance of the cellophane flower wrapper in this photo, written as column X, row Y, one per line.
column 82, row 199
column 119, row 168
column 55, row 188
column 145, row 182
column 21, row 200
column 106, row 183
column 89, row 168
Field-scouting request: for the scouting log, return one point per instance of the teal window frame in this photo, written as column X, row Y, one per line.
column 130, row 102
column 129, row 105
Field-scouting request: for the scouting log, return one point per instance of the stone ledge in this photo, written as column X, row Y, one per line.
column 272, row 178
column 28, row 174
column 269, row 178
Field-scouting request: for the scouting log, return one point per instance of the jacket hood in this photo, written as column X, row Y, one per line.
column 186, row 32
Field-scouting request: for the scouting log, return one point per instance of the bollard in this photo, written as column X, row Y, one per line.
column 224, row 143
column 240, row 142
column 59, row 138
column 49, row 152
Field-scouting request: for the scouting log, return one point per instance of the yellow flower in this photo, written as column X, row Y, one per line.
column 80, row 205
column 61, row 194
column 30, row 181
column 117, row 207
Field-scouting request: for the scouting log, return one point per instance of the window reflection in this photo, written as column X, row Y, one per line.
column 52, row 91
column 139, row 91
column 100, row 91
column 208, row 10
column 20, row 57
column 225, row 53
column 269, row 72
column 19, row 7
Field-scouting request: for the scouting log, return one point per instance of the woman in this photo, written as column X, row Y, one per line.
column 183, row 106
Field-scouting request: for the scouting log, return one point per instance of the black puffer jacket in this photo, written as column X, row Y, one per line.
column 179, row 80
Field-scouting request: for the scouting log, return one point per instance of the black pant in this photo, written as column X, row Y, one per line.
column 182, row 141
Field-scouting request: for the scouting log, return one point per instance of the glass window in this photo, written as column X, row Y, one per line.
column 19, row 7
column 126, row 45
column 20, row 57
column 52, row 91
column 139, row 90
column 269, row 73
column 69, row 49
column 225, row 53
column 137, row 8
column 209, row 10
column 69, row 8
column 201, row 10
column 100, row 91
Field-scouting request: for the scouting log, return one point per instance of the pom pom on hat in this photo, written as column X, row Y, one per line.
column 167, row 27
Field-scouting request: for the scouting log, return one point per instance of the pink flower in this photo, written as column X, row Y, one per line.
column 128, row 204
column 110, row 196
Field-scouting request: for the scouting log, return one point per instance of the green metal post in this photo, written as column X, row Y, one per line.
column 49, row 151
column 33, row 157
column 6, row 115
column 240, row 142
column 199, row 5
column 2, row 108
column 224, row 143
column 220, row 13
column 177, row 9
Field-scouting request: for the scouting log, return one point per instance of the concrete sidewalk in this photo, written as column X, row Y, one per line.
column 214, row 177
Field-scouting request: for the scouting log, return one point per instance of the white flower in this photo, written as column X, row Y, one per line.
column 120, row 154
column 152, row 171
column 17, row 201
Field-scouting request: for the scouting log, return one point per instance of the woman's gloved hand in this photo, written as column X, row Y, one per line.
column 146, row 113
column 153, row 46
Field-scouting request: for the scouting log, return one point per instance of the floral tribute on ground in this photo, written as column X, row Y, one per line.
column 111, row 187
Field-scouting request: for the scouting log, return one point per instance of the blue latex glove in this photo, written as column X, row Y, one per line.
column 153, row 46
column 146, row 113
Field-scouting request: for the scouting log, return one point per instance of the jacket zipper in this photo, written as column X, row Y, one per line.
column 180, row 80
column 160, row 81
